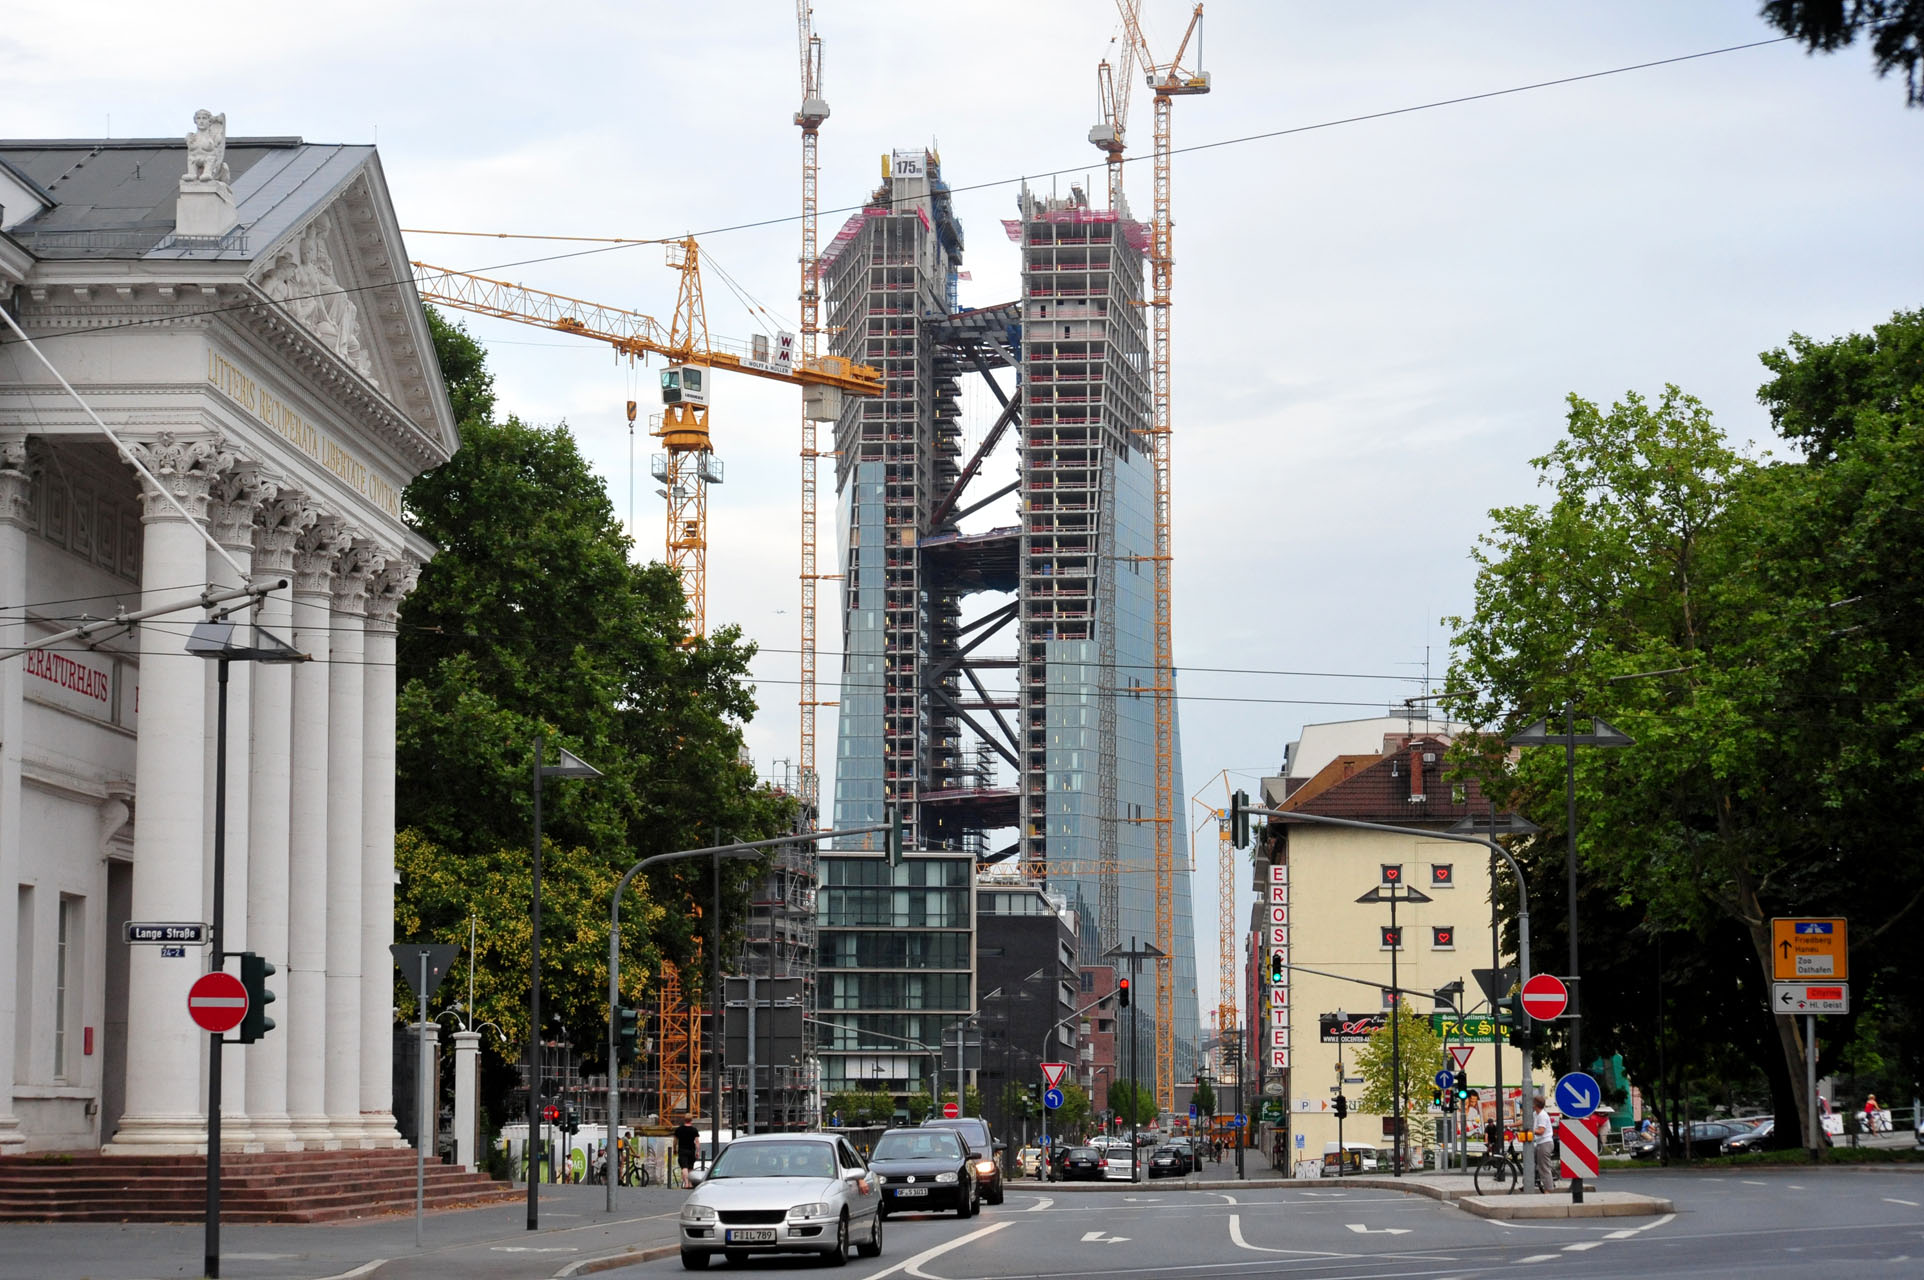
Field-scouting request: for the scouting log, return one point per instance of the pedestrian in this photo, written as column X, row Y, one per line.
column 1545, row 1148
column 686, row 1138
column 1871, row 1116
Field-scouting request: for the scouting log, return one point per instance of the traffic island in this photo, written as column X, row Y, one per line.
column 1596, row 1204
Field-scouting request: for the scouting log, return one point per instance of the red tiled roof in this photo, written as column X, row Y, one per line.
column 1399, row 786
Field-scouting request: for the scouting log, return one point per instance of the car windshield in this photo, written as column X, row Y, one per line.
column 918, row 1146
column 775, row 1160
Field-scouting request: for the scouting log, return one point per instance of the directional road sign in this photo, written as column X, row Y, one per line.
column 1792, row 998
column 1545, row 997
column 1460, row 1054
column 217, row 1002
column 1052, row 1097
column 1052, row 1073
column 1444, row 1079
column 1809, row 950
column 1578, row 1095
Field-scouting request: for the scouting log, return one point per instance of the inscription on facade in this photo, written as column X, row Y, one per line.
column 281, row 418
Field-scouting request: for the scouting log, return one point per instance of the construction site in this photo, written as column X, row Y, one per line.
column 1006, row 684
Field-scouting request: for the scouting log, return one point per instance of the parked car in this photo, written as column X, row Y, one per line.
column 1753, row 1139
column 983, row 1150
column 1359, row 1156
column 1641, row 1146
column 1119, row 1164
column 1706, row 1137
column 924, row 1170
column 1028, row 1162
column 783, row 1193
column 1167, row 1162
column 1190, row 1151
column 1080, row 1164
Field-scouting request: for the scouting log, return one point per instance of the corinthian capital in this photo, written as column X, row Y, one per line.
column 232, row 499
column 314, row 553
column 282, row 518
column 16, row 483
column 184, row 467
column 361, row 561
column 388, row 588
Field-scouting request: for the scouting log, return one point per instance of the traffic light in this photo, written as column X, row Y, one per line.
column 1436, row 1096
column 1276, row 968
column 627, row 1034
column 572, row 1125
column 1509, row 1013
column 1239, row 819
column 1342, row 1106
column 895, row 835
column 1462, row 1095
column 1122, row 994
column 254, row 972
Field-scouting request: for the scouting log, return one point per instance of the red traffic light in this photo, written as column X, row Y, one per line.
column 551, row 1112
column 1122, row 993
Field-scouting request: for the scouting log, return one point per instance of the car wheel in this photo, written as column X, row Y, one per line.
column 694, row 1261
column 873, row 1249
column 838, row 1256
column 995, row 1191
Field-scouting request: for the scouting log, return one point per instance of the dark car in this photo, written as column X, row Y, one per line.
column 1191, row 1153
column 1750, row 1140
column 924, row 1170
column 1079, row 1164
column 983, row 1150
column 1707, row 1137
column 1167, row 1162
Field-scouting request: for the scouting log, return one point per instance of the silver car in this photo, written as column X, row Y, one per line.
column 783, row 1193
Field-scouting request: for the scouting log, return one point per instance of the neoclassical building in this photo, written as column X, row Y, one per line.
column 239, row 313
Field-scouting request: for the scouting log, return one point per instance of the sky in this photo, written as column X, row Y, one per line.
column 1376, row 323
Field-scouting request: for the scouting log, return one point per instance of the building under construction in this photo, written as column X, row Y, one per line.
column 998, row 677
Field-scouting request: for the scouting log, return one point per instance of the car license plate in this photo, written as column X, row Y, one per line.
column 911, row 1191
column 751, row 1235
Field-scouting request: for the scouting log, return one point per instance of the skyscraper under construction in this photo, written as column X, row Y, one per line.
column 997, row 680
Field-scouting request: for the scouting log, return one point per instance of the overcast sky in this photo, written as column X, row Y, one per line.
column 1376, row 324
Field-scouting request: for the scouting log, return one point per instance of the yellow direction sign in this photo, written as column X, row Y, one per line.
column 1802, row 949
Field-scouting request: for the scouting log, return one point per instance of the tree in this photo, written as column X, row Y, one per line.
column 1204, row 1098
column 1896, row 29
column 1133, row 1103
column 861, row 1107
column 1419, row 1050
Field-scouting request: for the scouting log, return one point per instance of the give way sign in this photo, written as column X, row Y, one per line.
column 1052, row 1073
column 217, row 1002
column 1545, row 996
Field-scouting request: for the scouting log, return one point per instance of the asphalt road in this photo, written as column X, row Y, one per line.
column 1803, row 1224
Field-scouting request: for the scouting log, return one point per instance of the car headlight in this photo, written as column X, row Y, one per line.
column 945, row 1177
column 985, row 1166
column 815, row 1209
column 697, row 1213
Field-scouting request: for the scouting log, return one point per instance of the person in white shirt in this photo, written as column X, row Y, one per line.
column 1545, row 1148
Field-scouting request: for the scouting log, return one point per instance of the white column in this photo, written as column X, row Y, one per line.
column 385, row 593
column 345, row 694
column 15, row 513
column 314, row 553
column 467, row 1089
column 283, row 516
column 232, row 498
column 165, row 1107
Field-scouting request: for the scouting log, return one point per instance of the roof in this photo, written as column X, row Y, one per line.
column 1404, row 786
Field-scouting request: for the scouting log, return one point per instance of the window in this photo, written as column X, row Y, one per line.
column 1392, row 938
column 1442, row 937
column 1442, row 875
column 1392, row 873
column 66, row 953
column 1089, row 982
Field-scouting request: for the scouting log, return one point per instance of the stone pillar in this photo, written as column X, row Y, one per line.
column 282, row 519
column 467, row 1092
column 232, row 498
column 314, row 554
column 16, row 512
column 165, row 1105
column 384, row 596
column 345, row 694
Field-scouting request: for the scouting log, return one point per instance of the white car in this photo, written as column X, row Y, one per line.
column 1121, row 1166
column 783, row 1193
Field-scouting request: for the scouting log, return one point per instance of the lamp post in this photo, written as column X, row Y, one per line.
column 1600, row 735
column 1057, row 1025
column 1410, row 894
column 214, row 640
column 571, row 766
column 1135, row 955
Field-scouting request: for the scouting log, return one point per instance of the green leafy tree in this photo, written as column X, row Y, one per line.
column 1133, row 1103
column 1418, row 1048
column 862, row 1107
column 1205, row 1099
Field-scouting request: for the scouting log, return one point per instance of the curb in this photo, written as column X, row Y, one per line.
column 610, row 1261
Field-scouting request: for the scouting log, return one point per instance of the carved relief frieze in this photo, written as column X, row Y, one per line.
column 82, row 506
column 302, row 278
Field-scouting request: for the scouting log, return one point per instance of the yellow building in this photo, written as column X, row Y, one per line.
column 1309, row 880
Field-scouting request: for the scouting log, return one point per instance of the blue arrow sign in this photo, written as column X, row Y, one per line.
column 1444, row 1079
column 1052, row 1098
column 1578, row 1095
column 1238, row 1122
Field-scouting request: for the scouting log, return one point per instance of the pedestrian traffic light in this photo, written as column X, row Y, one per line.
column 1122, row 994
column 1342, row 1106
column 627, row 1034
column 572, row 1125
column 1277, row 968
column 254, row 972
column 1239, row 819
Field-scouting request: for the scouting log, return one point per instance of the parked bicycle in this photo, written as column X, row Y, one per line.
column 1499, row 1172
column 634, row 1173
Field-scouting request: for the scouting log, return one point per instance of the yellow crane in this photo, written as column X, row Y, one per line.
column 809, row 118
column 1168, row 81
column 1113, row 85
column 691, row 355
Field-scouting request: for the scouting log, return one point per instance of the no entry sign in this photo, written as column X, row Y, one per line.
column 217, row 1002
column 1545, row 996
column 950, row 1111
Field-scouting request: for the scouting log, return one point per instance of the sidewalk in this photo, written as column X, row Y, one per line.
column 493, row 1243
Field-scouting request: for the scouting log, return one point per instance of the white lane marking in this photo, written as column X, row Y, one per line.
column 1895, row 1200
column 1581, row 1246
column 1227, row 1198
column 1236, row 1238
column 908, row 1266
column 1040, row 1205
column 529, row 1248
column 1099, row 1237
column 1755, row 1182
column 1537, row 1257
column 1362, row 1230
column 366, row 1268
column 1629, row 1232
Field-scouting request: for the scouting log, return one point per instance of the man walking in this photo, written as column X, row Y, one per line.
column 1545, row 1148
column 686, row 1138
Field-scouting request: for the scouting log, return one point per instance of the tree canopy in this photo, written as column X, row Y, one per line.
column 1895, row 27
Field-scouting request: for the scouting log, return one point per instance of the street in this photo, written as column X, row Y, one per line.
column 1795, row 1222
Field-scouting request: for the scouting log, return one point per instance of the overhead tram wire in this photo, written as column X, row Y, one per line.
column 609, row 244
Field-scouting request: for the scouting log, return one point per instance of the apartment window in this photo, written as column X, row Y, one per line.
column 1442, row 875
column 1442, row 937
column 1392, row 938
column 1392, row 873
column 1089, row 982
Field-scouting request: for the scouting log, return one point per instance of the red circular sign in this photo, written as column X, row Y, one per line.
column 950, row 1111
column 551, row 1112
column 217, row 1001
column 1544, row 997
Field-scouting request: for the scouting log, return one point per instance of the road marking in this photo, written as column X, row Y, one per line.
column 908, row 1266
column 1227, row 1198
column 1893, row 1200
column 1537, row 1257
column 1040, row 1205
column 1236, row 1238
column 1581, row 1246
column 366, row 1268
column 1362, row 1230
column 529, row 1248
column 1754, row 1182
column 1098, row 1237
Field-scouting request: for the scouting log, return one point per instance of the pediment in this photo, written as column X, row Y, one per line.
column 341, row 275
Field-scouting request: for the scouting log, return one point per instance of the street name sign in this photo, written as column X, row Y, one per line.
column 1052, row 1073
column 1577, row 1095
column 1545, row 997
column 166, row 932
column 1790, row 998
column 217, row 1002
column 1807, row 949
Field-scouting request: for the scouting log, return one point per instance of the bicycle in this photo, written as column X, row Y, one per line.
column 635, row 1174
column 1501, row 1171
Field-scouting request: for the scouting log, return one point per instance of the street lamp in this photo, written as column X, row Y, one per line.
column 1600, row 735
column 571, row 766
column 1389, row 893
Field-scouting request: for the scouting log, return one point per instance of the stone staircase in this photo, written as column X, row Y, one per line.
column 303, row 1186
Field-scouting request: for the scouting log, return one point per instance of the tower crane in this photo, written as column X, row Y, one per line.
column 690, row 466
column 1168, row 81
column 809, row 118
column 1112, row 102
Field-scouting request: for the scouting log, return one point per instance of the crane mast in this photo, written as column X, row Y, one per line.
column 814, row 111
